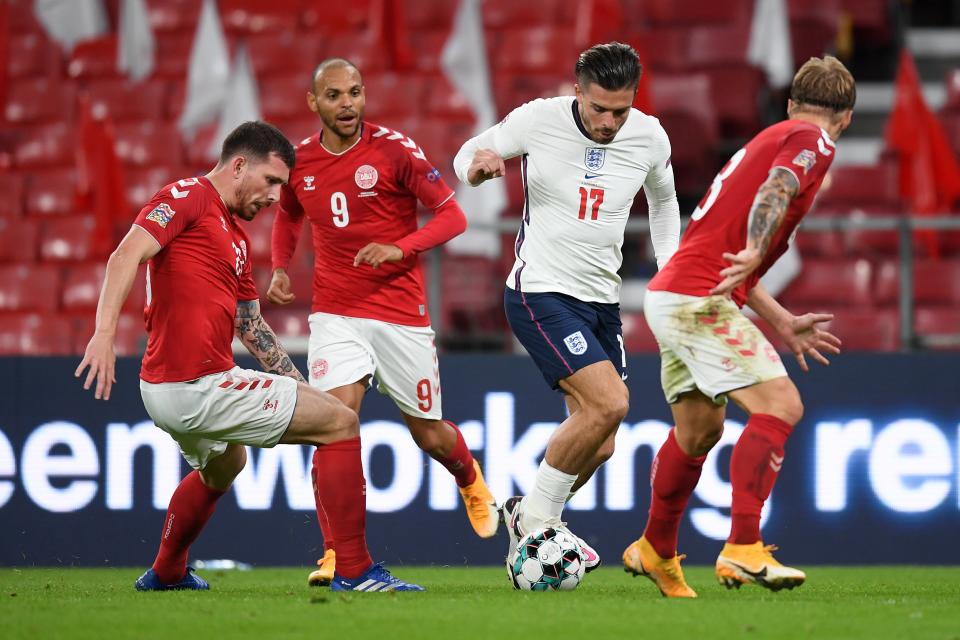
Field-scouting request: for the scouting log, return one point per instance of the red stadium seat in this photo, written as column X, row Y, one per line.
column 363, row 50
column 428, row 52
column 637, row 337
column 82, row 283
column 878, row 243
column 686, row 93
column 147, row 144
column 471, row 294
column 168, row 17
column 286, row 52
column 298, row 128
column 395, row 95
column 29, row 288
column 260, row 230
column 871, row 19
column 39, row 100
column 824, row 284
column 509, row 14
column 35, row 335
column 32, row 55
column 813, row 28
column 737, row 91
column 718, row 45
column 853, row 186
column 12, row 188
column 45, row 147
column 130, row 339
column 18, row 240
column 285, row 96
column 173, row 55
column 428, row 14
column 512, row 90
column 935, row 282
column 692, row 153
column 287, row 321
column 826, row 244
column 698, row 11
column 353, row 18
column 534, row 50
column 68, row 239
column 937, row 321
column 52, row 193
column 124, row 101
column 142, row 183
column 865, row 329
column 665, row 48
column 256, row 16
column 95, row 58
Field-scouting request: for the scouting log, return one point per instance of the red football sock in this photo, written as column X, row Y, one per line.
column 342, row 489
column 754, row 466
column 321, row 512
column 673, row 478
column 459, row 462
column 190, row 507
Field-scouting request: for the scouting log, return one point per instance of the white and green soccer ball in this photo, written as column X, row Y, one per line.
column 546, row 560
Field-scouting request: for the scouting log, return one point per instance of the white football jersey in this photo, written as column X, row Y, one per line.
column 578, row 195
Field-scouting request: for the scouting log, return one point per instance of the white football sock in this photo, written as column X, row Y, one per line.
column 544, row 504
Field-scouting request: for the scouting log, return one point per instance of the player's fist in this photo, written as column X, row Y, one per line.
column 375, row 254
column 486, row 164
column 279, row 291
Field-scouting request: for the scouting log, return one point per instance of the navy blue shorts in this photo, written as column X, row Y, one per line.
column 563, row 334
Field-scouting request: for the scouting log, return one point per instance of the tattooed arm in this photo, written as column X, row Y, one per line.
column 260, row 340
column 766, row 214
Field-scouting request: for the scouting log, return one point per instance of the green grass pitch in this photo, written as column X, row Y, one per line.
column 914, row 603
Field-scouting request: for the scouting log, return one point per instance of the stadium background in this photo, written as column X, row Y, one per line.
column 876, row 463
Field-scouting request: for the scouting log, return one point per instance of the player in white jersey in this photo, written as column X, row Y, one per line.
column 584, row 159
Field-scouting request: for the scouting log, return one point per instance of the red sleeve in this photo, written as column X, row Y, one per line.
column 807, row 153
column 287, row 224
column 448, row 222
column 248, row 287
column 165, row 217
column 423, row 180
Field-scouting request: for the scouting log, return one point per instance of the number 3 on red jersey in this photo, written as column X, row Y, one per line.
column 717, row 184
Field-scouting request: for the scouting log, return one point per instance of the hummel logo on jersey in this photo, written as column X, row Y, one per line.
column 776, row 462
column 309, row 186
column 576, row 343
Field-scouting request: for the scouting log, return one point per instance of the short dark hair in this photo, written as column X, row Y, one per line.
column 329, row 62
column 257, row 140
column 613, row 66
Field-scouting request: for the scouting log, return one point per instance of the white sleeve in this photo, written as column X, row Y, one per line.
column 662, row 204
column 508, row 138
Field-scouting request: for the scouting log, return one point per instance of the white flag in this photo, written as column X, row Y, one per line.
column 135, row 50
column 464, row 62
column 242, row 101
column 208, row 74
column 770, row 42
column 70, row 21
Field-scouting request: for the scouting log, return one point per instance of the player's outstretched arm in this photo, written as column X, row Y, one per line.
column 767, row 213
column 280, row 291
column 800, row 333
column 136, row 248
column 262, row 343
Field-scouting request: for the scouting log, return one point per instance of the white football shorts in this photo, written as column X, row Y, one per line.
column 240, row 406
column 707, row 343
column 402, row 359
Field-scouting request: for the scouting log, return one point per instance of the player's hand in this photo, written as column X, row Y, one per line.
column 102, row 361
column 802, row 335
column 742, row 264
column 279, row 291
column 486, row 164
column 375, row 254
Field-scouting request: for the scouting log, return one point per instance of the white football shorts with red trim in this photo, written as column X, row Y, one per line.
column 239, row 406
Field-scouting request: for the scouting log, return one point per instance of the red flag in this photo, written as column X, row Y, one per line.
column 389, row 29
column 100, row 183
column 4, row 57
column 929, row 177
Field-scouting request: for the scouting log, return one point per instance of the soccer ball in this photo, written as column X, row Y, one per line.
column 546, row 560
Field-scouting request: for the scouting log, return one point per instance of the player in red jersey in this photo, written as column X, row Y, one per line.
column 358, row 184
column 200, row 293
column 711, row 351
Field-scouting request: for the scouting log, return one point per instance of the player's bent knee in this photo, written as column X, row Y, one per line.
column 221, row 471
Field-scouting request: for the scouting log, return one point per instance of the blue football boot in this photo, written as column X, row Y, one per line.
column 149, row 581
column 376, row 578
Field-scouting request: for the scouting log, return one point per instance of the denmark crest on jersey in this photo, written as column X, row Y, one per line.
column 162, row 214
column 366, row 176
column 593, row 158
column 576, row 343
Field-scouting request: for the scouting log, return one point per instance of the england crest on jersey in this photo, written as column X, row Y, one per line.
column 594, row 157
column 576, row 343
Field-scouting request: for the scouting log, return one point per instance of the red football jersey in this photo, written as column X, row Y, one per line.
column 365, row 194
column 193, row 283
column 719, row 223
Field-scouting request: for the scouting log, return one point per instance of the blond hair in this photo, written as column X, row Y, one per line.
column 823, row 84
